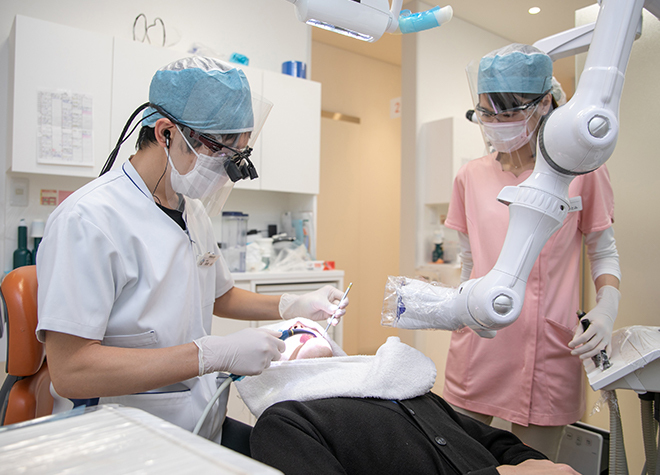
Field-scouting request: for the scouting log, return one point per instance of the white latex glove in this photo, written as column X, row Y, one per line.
column 599, row 334
column 246, row 352
column 317, row 305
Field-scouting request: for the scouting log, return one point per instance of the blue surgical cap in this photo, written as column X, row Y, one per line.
column 515, row 68
column 205, row 94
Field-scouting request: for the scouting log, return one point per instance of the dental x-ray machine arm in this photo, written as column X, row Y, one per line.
column 576, row 138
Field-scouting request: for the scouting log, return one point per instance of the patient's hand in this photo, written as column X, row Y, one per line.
column 536, row 467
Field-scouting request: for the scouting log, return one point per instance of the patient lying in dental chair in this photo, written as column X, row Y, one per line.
column 338, row 414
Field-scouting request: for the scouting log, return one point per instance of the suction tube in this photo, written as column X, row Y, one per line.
column 413, row 23
column 618, row 464
column 295, row 331
column 216, row 396
column 649, row 430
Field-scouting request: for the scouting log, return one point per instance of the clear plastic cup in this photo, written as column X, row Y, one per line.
column 234, row 239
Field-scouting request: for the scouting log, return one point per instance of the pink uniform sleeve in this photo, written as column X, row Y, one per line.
column 456, row 216
column 597, row 201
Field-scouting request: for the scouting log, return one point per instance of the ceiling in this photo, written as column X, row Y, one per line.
column 507, row 18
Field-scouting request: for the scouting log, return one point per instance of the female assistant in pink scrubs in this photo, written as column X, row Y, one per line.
column 531, row 373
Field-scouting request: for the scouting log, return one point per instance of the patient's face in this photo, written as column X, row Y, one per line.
column 305, row 346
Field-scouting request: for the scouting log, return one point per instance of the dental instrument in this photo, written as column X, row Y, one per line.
column 600, row 360
column 334, row 319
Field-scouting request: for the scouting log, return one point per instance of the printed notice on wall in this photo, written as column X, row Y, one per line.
column 64, row 132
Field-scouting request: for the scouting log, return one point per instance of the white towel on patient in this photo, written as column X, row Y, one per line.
column 397, row 371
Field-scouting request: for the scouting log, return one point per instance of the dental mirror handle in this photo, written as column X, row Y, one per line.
column 343, row 298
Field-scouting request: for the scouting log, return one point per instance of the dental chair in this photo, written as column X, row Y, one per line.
column 25, row 393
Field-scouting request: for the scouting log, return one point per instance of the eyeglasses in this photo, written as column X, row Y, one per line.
column 513, row 114
column 237, row 164
column 214, row 144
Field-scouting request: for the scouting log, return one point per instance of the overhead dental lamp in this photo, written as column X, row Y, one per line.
column 368, row 20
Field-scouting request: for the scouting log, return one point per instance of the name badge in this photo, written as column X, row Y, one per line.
column 575, row 204
column 207, row 260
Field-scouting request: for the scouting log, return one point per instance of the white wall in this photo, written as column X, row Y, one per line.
column 435, row 87
column 266, row 31
column 359, row 199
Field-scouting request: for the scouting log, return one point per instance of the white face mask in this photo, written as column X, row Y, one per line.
column 506, row 137
column 207, row 177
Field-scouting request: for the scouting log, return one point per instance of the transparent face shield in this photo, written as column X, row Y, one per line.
column 197, row 172
column 207, row 163
column 508, row 120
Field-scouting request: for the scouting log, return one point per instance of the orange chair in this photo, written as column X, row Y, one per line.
column 25, row 394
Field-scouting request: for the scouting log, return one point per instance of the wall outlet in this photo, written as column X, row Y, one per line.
column 20, row 191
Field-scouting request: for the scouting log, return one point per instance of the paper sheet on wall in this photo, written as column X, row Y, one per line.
column 64, row 132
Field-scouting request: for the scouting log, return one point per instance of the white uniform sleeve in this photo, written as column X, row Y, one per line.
column 79, row 272
column 465, row 254
column 602, row 252
column 224, row 281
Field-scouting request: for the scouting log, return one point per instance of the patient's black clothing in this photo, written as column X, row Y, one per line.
column 363, row 436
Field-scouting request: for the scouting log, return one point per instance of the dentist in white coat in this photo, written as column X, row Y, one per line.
column 129, row 272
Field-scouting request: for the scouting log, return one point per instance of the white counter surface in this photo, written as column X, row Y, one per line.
column 289, row 276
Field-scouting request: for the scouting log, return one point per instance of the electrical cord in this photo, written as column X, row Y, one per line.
column 123, row 138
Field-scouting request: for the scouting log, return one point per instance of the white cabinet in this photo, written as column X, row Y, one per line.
column 288, row 152
column 273, row 284
column 116, row 74
column 435, row 145
column 436, row 148
column 291, row 135
column 59, row 59
column 134, row 64
column 256, row 80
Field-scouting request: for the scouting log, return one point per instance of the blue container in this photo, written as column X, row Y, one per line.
column 295, row 68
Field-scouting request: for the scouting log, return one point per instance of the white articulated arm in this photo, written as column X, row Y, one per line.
column 576, row 138
column 567, row 43
column 581, row 136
